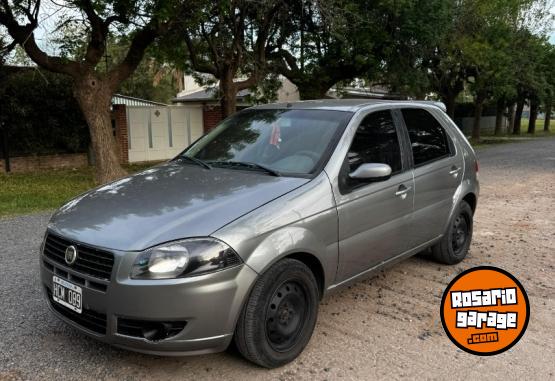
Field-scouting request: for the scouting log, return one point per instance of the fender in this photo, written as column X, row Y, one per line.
column 294, row 240
column 301, row 221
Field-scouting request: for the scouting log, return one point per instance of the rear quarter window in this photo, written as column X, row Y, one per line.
column 428, row 138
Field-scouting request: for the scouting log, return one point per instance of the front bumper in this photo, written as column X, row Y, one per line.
column 209, row 304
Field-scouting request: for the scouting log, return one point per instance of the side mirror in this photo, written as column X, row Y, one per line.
column 371, row 172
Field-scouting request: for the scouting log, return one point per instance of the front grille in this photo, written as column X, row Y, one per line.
column 91, row 320
column 90, row 261
column 98, row 286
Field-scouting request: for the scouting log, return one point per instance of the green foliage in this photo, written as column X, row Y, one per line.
column 483, row 46
column 533, row 66
column 415, row 33
column 152, row 82
column 266, row 91
column 154, row 79
column 548, row 71
column 339, row 40
column 328, row 42
column 229, row 42
column 421, row 48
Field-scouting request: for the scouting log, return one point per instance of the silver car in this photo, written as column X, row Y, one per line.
column 240, row 236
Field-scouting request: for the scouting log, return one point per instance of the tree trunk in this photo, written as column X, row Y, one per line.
column 5, row 147
column 511, row 121
column 533, row 117
column 518, row 115
column 499, row 116
column 228, row 100
column 94, row 97
column 547, row 122
column 450, row 103
column 477, row 116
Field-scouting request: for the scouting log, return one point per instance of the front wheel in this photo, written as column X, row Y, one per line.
column 454, row 245
column 278, row 319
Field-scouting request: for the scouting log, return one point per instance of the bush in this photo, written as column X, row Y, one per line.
column 39, row 113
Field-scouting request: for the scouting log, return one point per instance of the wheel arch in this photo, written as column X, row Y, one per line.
column 314, row 265
column 471, row 199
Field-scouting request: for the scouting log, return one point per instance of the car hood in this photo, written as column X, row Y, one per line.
column 165, row 203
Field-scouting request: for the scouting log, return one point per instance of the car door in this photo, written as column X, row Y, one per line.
column 438, row 170
column 373, row 216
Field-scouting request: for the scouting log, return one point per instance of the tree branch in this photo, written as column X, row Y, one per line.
column 215, row 55
column 99, row 33
column 24, row 36
column 140, row 42
column 287, row 60
column 247, row 83
column 115, row 18
column 203, row 67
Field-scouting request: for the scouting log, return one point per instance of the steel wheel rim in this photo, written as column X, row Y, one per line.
column 459, row 234
column 285, row 316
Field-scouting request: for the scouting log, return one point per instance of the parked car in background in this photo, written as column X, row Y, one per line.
column 240, row 236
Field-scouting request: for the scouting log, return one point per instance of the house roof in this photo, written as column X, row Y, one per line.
column 119, row 99
column 207, row 95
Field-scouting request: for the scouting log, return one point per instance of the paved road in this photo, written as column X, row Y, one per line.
column 384, row 327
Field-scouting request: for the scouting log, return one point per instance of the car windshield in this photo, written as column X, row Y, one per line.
column 277, row 141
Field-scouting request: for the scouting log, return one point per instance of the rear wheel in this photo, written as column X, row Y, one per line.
column 278, row 319
column 454, row 245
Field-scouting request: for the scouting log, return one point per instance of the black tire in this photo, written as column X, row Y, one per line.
column 454, row 245
column 278, row 318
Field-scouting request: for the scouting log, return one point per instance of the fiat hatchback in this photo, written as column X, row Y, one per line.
column 240, row 236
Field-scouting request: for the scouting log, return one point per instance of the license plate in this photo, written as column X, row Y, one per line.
column 67, row 294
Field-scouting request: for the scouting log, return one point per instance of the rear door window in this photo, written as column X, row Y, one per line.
column 427, row 136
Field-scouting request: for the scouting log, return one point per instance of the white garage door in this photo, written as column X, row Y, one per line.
column 137, row 130
column 160, row 133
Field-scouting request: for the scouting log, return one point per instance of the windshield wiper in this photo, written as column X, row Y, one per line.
column 195, row 160
column 247, row 164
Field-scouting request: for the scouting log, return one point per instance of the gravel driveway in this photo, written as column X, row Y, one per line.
column 384, row 327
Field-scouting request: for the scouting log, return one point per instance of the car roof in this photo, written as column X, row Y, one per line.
column 351, row 105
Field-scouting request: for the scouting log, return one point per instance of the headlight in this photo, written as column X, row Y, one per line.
column 189, row 257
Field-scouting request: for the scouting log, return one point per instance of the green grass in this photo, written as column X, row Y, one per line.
column 22, row 193
column 539, row 127
column 487, row 140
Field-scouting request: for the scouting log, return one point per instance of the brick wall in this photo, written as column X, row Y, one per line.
column 119, row 116
column 211, row 116
column 60, row 161
column 37, row 163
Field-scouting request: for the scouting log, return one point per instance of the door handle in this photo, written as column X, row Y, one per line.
column 402, row 191
column 454, row 171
